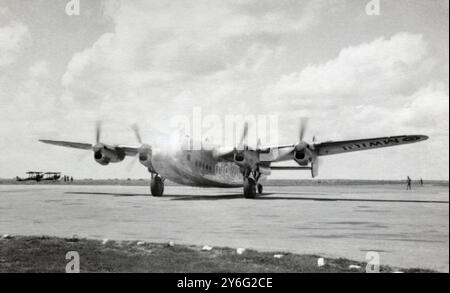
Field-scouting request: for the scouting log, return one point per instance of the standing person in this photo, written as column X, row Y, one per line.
column 71, row 178
column 421, row 182
column 408, row 183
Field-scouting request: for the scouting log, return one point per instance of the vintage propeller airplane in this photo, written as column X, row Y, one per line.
column 52, row 176
column 32, row 175
column 233, row 167
column 40, row 176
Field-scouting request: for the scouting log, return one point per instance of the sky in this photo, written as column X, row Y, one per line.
column 354, row 75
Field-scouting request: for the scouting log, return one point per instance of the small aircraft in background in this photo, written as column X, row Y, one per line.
column 32, row 175
column 52, row 176
column 241, row 166
column 40, row 176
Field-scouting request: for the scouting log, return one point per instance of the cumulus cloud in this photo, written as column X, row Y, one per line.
column 218, row 57
column 12, row 37
column 381, row 86
column 427, row 110
column 39, row 69
column 383, row 66
column 207, row 52
column 178, row 39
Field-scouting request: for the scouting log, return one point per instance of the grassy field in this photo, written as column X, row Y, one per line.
column 47, row 254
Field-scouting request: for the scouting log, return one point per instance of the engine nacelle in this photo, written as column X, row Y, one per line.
column 105, row 155
column 101, row 159
column 301, row 158
column 145, row 155
column 239, row 157
column 303, row 154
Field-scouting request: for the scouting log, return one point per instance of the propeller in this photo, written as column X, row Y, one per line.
column 241, row 147
column 98, row 145
column 137, row 133
column 244, row 136
column 98, row 130
column 304, row 150
column 143, row 150
column 303, row 127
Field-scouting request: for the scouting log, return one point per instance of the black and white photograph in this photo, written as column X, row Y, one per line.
column 240, row 139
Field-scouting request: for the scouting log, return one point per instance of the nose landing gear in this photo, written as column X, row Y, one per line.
column 251, row 185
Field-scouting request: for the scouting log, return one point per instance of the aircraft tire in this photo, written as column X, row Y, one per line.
column 157, row 186
column 260, row 188
column 249, row 188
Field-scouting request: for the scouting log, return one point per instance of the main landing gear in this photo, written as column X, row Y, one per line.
column 249, row 188
column 260, row 188
column 251, row 185
column 157, row 185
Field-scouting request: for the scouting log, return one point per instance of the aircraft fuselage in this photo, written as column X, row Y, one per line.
column 197, row 168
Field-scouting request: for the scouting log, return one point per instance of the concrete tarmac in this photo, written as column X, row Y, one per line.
column 407, row 228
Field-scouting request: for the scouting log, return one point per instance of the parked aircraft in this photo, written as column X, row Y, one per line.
column 31, row 175
column 52, row 176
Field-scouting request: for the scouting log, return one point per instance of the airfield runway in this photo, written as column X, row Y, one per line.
column 408, row 229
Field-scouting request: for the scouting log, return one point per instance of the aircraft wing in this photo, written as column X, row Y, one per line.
column 129, row 150
column 69, row 144
column 338, row 147
column 264, row 153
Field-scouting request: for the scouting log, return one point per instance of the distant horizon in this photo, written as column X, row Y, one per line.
column 268, row 179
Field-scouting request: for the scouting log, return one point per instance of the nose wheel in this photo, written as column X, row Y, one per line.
column 251, row 185
column 157, row 186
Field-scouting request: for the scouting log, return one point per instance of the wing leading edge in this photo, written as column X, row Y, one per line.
column 69, row 144
column 128, row 150
column 338, row 147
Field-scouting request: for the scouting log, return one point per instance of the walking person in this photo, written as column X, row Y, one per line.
column 408, row 183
